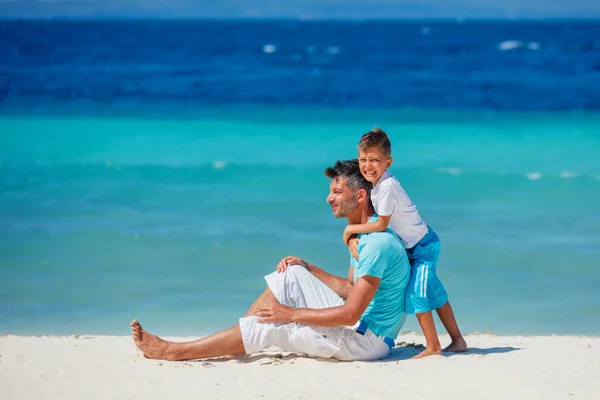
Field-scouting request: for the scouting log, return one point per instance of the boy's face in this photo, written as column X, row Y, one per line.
column 373, row 162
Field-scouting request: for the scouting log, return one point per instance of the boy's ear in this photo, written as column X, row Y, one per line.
column 389, row 163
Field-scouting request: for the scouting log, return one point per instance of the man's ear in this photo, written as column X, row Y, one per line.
column 361, row 195
column 389, row 163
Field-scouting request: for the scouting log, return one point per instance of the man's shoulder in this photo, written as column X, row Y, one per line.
column 381, row 241
column 381, row 249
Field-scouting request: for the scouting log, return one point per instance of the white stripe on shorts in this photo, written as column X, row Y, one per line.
column 424, row 279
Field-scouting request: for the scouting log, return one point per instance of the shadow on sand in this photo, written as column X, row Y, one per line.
column 401, row 353
column 398, row 353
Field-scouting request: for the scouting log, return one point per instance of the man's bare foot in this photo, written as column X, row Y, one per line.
column 428, row 352
column 152, row 346
column 457, row 346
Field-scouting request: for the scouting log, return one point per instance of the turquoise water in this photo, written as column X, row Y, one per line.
column 174, row 221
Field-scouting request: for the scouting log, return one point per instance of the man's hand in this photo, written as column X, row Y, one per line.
column 353, row 246
column 274, row 313
column 290, row 260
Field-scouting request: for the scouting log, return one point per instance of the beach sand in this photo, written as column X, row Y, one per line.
column 111, row 367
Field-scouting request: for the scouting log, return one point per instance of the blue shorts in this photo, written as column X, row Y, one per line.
column 425, row 292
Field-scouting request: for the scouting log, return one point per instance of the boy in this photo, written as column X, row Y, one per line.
column 425, row 292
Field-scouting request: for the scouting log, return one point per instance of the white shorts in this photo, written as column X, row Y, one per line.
column 296, row 287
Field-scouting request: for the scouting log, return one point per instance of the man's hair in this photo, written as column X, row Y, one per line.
column 376, row 137
column 349, row 170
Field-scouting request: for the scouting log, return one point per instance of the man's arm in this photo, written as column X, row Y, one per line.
column 359, row 298
column 339, row 285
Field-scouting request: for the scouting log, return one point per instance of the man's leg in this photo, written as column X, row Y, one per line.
column 267, row 297
column 224, row 343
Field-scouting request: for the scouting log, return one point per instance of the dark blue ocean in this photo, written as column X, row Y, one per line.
column 157, row 169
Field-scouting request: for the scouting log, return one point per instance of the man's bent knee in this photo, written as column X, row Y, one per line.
column 296, row 270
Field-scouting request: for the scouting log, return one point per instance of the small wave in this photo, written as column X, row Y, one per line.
column 510, row 45
column 568, row 174
column 449, row 170
column 425, row 30
column 534, row 176
column 517, row 44
column 269, row 48
column 219, row 164
column 333, row 50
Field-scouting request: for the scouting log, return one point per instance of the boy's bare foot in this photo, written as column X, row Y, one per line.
column 428, row 352
column 152, row 346
column 457, row 346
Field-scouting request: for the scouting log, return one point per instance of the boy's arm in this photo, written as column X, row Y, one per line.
column 377, row 226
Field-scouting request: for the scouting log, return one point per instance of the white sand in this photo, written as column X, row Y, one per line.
column 110, row 367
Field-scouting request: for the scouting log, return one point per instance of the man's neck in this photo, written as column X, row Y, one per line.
column 360, row 216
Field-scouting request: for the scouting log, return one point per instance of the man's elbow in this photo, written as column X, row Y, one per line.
column 350, row 317
column 345, row 290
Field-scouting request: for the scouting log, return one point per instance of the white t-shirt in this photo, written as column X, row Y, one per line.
column 389, row 198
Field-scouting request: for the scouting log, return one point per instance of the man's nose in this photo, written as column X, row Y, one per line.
column 329, row 198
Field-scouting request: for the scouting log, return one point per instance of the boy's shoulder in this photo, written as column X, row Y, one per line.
column 388, row 186
column 389, row 179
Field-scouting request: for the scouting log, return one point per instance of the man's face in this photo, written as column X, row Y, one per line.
column 341, row 198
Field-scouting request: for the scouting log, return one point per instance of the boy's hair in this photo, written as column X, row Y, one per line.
column 376, row 137
column 349, row 170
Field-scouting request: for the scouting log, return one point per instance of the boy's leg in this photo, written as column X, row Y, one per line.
column 431, row 337
column 418, row 303
column 447, row 317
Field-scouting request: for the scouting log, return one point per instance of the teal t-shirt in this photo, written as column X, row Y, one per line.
column 382, row 255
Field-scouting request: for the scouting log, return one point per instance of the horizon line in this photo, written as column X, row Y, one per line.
column 301, row 19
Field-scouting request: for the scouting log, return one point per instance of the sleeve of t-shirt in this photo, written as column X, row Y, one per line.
column 373, row 260
column 388, row 199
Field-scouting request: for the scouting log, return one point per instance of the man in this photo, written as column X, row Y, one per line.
column 305, row 309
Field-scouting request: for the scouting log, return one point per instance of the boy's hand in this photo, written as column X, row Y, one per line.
column 347, row 235
column 353, row 246
column 289, row 260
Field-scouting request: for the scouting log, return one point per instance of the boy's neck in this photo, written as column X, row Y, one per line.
column 378, row 179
